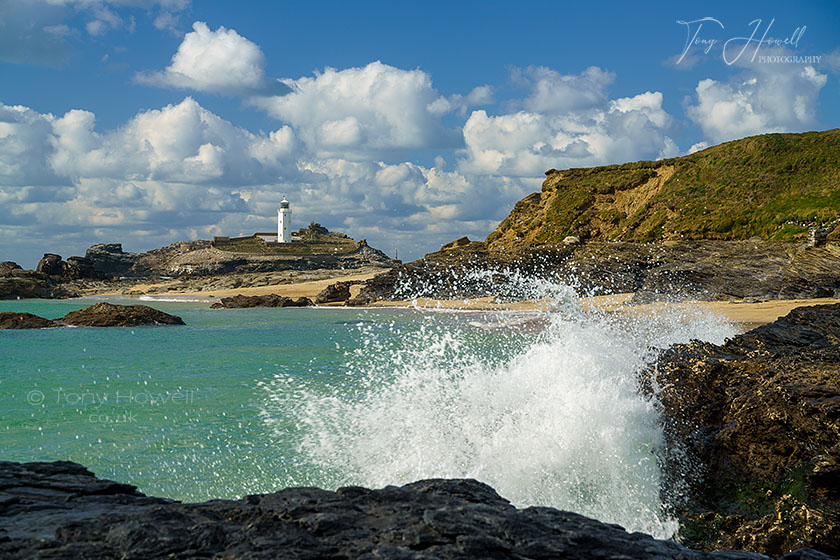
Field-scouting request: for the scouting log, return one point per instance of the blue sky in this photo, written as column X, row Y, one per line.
column 411, row 124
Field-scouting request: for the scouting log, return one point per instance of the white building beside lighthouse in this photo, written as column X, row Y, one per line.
column 284, row 222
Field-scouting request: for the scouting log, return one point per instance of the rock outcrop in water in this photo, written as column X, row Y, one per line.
column 15, row 282
column 105, row 314
column 74, row 268
column 271, row 300
column 102, row 314
column 49, row 280
column 61, row 510
column 14, row 320
column 761, row 416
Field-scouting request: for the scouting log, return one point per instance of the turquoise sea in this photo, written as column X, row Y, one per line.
column 545, row 406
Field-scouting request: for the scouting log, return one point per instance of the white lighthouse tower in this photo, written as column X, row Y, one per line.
column 284, row 222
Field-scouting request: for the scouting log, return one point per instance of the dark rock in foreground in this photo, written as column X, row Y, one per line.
column 13, row 320
column 61, row 510
column 761, row 414
column 105, row 314
column 270, row 300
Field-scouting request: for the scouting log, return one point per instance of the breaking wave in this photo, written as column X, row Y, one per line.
column 549, row 416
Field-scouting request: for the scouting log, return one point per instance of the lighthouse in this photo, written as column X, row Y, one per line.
column 284, row 222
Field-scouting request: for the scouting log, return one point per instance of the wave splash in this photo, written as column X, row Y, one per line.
column 553, row 418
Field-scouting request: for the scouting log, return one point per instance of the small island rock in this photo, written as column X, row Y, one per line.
column 13, row 320
column 105, row 314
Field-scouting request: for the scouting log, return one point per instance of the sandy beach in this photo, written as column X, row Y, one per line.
column 735, row 311
column 308, row 289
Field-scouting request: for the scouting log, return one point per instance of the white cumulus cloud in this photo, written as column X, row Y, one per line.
column 359, row 111
column 571, row 122
column 767, row 98
column 554, row 92
column 220, row 61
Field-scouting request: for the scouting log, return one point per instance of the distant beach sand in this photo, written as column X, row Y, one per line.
column 752, row 313
column 308, row 289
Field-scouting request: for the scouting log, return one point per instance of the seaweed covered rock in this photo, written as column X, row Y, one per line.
column 761, row 415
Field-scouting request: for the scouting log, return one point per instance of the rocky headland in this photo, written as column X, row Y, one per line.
column 61, row 510
column 101, row 314
column 189, row 266
column 757, row 218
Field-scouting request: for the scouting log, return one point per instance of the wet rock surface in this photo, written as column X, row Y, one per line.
column 61, row 510
column 270, row 300
column 760, row 418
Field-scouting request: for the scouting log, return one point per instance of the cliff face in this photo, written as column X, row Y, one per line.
column 774, row 186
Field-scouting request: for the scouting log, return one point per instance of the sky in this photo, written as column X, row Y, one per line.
column 410, row 124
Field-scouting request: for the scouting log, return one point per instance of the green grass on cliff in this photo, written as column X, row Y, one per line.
column 774, row 186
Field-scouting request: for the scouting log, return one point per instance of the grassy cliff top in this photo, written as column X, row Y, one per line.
column 774, row 186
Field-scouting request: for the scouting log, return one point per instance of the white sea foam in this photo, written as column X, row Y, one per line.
column 559, row 420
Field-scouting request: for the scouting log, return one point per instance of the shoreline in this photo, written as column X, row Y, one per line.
column 749, row 313
column 309, row 288
column 735, row 311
